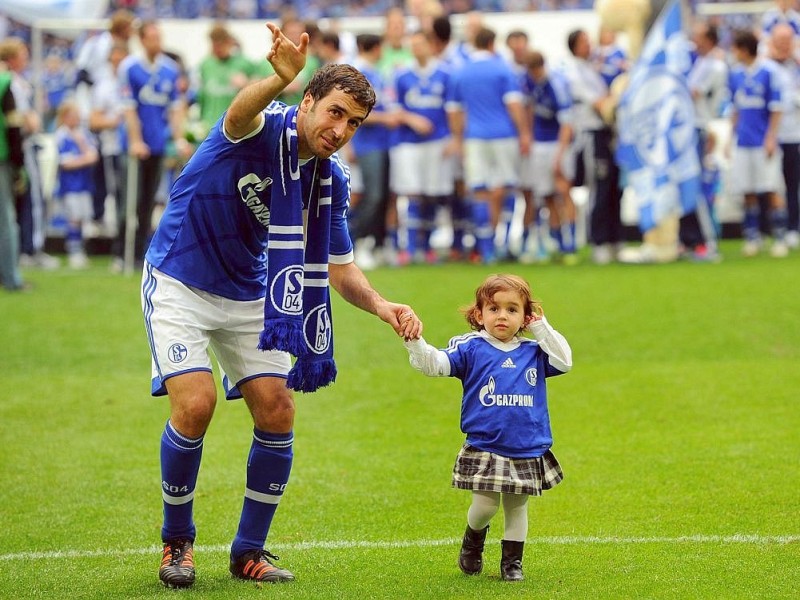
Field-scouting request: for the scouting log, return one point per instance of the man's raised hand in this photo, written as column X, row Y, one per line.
column 287, row 58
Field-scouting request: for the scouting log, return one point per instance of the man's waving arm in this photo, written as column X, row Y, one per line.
column 287, row 59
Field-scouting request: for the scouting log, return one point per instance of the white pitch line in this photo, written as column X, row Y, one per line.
column 738, row 538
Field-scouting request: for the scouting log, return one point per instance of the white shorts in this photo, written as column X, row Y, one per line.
column 78, row 206
column 183, row 322
column 422, row 169
column 538, row 171
column 491, row 164
column 753, row 173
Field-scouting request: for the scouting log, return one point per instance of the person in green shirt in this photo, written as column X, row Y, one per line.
column 222, row 74
column 294, row 29
column 395, row 51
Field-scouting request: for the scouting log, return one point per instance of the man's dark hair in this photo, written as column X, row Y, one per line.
column 572, row 40
column 746, row 40
column 534, row 60
column 367, row 41
column 517, row 33
column 345, row 78
column 484, row 38
column 442, row 30
column 331, row 38
column 712, row 34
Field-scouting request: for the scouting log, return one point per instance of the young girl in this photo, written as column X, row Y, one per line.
column 76, row 155
column 506, row 457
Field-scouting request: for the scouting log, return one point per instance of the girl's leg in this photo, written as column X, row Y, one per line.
column 484, row 506
column 515, row 510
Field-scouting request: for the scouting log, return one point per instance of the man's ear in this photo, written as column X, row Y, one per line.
column 306, row 103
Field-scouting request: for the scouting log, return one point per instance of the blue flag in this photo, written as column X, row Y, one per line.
column 657, row 140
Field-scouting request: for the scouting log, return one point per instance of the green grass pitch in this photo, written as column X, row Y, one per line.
column 678, row 430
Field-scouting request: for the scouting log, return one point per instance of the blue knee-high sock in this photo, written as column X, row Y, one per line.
column 555, row 235
column 268, row 468
column 74, row 238
column 180, row 462
column 413, row 225
column 507, row 219
column 427, row 223
column 570, row 245
column 751, row 221
column 461, row 221
column 778, row 221
column 484, row 236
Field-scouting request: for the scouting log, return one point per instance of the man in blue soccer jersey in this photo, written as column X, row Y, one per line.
column 264, row 187
column 755, row 86
column 153, row 113
column 487, row 121
column 422, row 164
column 550, row 105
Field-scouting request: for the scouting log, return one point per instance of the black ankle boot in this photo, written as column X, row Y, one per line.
column 511, row 563
column 471, row 558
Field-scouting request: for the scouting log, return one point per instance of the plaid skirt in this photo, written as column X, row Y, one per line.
column 489, row 472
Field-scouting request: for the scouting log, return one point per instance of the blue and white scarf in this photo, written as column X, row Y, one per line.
column 297, row 308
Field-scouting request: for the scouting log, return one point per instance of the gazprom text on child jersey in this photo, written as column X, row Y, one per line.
column 504, row 407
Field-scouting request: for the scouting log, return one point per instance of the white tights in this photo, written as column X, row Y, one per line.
column 515, row 510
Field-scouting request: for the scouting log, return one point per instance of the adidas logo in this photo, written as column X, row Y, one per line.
column 508, row 364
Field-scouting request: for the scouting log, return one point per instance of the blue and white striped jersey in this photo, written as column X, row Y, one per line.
column 423, row 91
column 551, row 105
column 213, row 233
column 755, row 93
column 504, row 406
column 482, row 88
column 152, row 89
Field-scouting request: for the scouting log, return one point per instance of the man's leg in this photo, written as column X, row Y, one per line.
column 192, row 400
column 268, row 467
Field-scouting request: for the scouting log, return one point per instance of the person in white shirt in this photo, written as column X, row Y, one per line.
column 708, row 84
column 782, row 46
column 589, row 96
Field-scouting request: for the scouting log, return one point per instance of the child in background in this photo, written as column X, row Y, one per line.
column 76, row 155
column 507, row 456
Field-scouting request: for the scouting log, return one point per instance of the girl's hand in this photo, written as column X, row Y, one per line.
column 536, row 316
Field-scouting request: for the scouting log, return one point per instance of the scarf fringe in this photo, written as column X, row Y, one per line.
column 285, row 335
column 307, row 374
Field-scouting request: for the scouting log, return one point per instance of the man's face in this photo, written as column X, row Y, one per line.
column 583, row 48
column 325, row 125
column 151, row 40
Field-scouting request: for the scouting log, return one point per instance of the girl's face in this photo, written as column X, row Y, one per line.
column 504, row 316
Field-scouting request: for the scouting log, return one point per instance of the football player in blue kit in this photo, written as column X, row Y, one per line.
column 255, row 227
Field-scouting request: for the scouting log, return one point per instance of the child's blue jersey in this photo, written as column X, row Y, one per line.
column 423, row 91
column 482, row 87
column 72, row 180
column 213, row 233
column 755, row 93
column 504, row 407
column 551, row 103
column 152, row 89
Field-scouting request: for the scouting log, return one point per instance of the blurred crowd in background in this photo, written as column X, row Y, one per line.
column 100, row 112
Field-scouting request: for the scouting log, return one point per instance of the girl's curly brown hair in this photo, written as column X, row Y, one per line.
column 500, row 283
